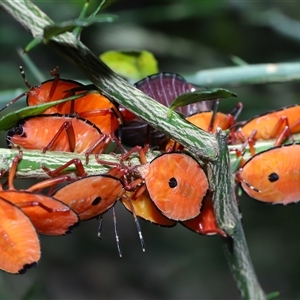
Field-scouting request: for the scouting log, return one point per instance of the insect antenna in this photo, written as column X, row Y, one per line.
column 100, row 218
column 138, row 227
column 23, row 94
column 116, row 231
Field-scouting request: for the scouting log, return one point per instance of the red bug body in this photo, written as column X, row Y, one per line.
column 47, row 91
column 210, row 121
column 145, row 209
column 271, row 124
column 23, row 213
column 19, row 243
column 93, row 106
column 37, row 132
column 176, row 184
column 203, row 119
column 205, row 223
column 168, row 196
column 52, row 90
column 273, row 175
column 48, row 215
column 91, row 196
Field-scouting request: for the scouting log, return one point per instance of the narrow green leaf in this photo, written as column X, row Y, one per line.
column 104, row 4
column 59, row 28
column 36, row 41
column 238, row 61
column 84, row 10
column 131, row 64
column 101, row 6
column 199, row 95
column 236, row 164
column 10, row 120
column 77, row 30
column 273, row 295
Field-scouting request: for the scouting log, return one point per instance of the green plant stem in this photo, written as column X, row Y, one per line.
column 229, row 219
column 30, row 166
column 32, row 162
column 246, row 74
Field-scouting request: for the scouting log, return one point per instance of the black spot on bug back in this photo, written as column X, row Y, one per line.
column 172, row 182
column 273, row 177
column 96, row 201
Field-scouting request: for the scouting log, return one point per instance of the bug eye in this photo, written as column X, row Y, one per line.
column 172, row 183
column 18, row 130
column 273, row 177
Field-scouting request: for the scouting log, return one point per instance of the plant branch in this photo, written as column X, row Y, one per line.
column 246, row 74
column 229, row 219
column 33, row 160
column 30, row 166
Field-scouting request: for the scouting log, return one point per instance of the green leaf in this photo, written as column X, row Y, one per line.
column 273, row 295
column 101, row 6
column 238, row 61
column 131, row 64
column 36, row 41
column 77, row 30
column 105, row 3
column 199, row 95
column 76, row 25
column 236, row 164
column 59, row 28
column 10, row 120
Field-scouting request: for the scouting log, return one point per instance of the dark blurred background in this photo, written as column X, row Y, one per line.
column 185, row 37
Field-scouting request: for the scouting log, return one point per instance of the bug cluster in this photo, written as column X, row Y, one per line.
column 172, row 188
